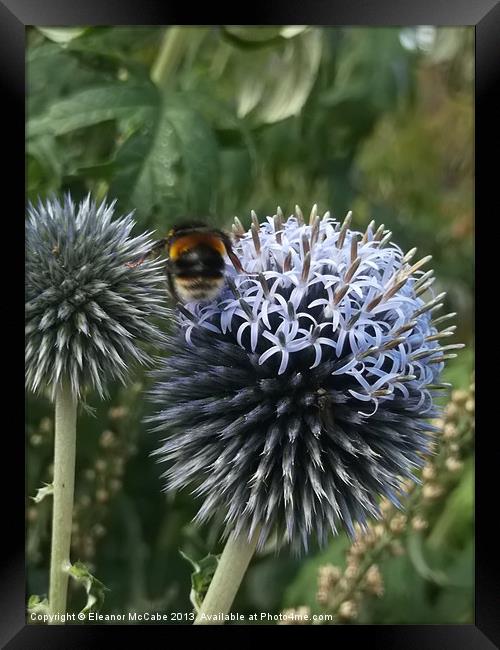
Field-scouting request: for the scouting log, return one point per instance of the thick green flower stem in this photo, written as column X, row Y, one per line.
column 64, row 482
column 232, row 566
column 171, row 49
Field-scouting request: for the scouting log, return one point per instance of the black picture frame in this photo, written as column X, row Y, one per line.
column 484, row 15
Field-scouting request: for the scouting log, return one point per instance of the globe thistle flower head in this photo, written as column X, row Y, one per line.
column 302, row 394
column 86, row 310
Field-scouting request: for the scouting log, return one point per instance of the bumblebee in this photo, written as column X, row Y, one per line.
column 195, row 266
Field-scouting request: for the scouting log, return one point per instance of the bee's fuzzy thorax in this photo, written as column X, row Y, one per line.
column 184, row 243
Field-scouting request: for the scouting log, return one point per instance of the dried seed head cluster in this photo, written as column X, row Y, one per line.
column 102, row 480
column 299, row 616
column 303, row 392
column 342, row 591
column 86, row 310
column 442, row 470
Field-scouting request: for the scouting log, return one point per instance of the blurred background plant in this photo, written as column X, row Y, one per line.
column 213, row 122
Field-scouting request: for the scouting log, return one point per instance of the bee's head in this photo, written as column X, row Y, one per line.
column 186, row 226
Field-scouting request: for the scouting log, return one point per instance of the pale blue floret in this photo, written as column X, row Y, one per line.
column 329, row 265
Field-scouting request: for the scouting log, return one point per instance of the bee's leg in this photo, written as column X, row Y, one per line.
column 132, row 265
column 232, row 255
column 235, row 260
column 170, row 282
column 157, row 246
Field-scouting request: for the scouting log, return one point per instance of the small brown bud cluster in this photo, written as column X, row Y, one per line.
column 373, row 581
column 342, row 591
column 328, row 576
column 41, row 435
column 101, row 481
column 398, row 524
column 298, row 616
column 440, row 473
column 118, row 412
column 348, row 610
column 419, row 524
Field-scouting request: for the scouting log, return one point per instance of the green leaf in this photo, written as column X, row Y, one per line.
column 417, row 556
column 43, row 492
column 404, row 599
column 372, row 70
column 62, row 35
column 292, row 30
column 303, row 589
column 44, row 166
column 94, row 588
column 44, row 87
column 93, row 105
column 455, row 604
column 201, row 577
column 146, row 168
column 199, row 155
column 456, row 521
column 251, row 38
column 169, row 165
column 250, row 33
column 272, row 88
column 43, row 148
column 121, row 42
column 459, row 371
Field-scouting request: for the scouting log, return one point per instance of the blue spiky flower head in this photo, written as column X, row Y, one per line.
column 302, row 394
column 87, row 311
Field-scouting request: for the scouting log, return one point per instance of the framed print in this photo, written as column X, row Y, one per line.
column 250, row 290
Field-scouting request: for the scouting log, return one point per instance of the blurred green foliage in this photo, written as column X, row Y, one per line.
column 214, row 122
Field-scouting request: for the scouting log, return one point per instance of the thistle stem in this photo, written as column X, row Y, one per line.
column 64, row 483
column 232, row 566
